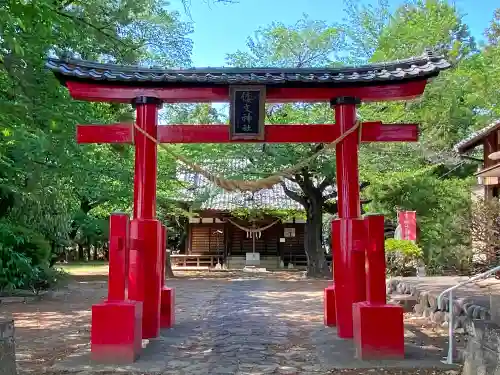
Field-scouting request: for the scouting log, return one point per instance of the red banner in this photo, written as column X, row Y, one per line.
column 408, row 223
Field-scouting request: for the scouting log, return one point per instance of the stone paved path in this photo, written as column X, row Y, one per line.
column 250, row 325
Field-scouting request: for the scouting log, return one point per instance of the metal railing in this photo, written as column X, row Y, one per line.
column 449, row 358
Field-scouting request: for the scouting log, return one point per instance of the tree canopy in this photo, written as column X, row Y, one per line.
column 56, row 195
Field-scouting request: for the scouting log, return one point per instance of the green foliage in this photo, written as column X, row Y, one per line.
column 54, row 194
column 402, row 257
column 441, row 205
column 421, row 24
column 24, row 241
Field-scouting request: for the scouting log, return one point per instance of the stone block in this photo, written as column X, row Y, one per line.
column 7, row 348
column 438, row 317
column 418, row 309
column 374, row 340
column 329, row 317
column 116, row 334
column 167, row 310
column 406, row 301
column 495, row 308
column 423, row 299
column 482, row 355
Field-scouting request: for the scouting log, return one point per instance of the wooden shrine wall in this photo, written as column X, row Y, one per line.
column 203, row 240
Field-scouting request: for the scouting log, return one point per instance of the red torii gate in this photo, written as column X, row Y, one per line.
column 356, row 303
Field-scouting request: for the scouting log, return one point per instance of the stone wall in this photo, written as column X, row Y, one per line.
column 7, row 348
column 464, row 309
column 482, row 355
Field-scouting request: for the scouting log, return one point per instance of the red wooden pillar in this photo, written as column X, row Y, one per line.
column 348, row 250
column 349, row 275
column 372, row 339
column 346, row 158
column 116, row 331
column 119, row 234
column 145, row 257
column 167, row 309
column 145, row 158
column 375, row 260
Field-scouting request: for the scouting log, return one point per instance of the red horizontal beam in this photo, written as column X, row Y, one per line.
column 125, row 94
column 113, row 133
column 370, row 132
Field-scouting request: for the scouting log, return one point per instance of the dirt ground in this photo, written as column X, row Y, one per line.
column 58, row 325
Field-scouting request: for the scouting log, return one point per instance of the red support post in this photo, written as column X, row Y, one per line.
column 116, row 333
column 119, row 232
column 167, row 309
column 145, row 257
column 145, row 272
column 347, row 158
column 349, row 257
column 375, row 260
column 145, row 158
column 329, row 302
column 372, row 339
column 163, row 249
column 348, row 233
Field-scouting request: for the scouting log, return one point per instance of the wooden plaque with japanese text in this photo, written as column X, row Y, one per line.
column 247, row 112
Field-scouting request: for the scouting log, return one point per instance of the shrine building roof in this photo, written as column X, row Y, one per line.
column 475, row 139
column 416, row 68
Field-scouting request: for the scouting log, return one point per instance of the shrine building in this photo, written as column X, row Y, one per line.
column 485, row 141
column 225, row 226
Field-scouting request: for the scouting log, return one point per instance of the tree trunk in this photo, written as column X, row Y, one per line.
column 81, row 255
column 106, row 251
column 168, row 266
column 316, row 260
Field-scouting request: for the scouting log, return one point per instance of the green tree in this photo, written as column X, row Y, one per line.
column 307, row 43
column 51, row 188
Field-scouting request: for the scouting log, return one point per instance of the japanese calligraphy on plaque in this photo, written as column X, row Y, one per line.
column 247, row 112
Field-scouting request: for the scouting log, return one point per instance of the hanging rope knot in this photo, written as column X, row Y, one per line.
column 253, row 185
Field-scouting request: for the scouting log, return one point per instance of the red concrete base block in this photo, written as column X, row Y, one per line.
column 167, row 310
column 378, row 331
column 116, row 333
column 329, row 317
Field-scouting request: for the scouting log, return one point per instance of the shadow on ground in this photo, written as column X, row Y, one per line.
column 234, row 323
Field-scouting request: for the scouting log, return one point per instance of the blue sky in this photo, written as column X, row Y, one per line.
column 220, row 29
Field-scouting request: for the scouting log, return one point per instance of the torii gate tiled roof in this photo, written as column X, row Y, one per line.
column 420, row 67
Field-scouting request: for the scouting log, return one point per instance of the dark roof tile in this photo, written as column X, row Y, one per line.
column 218, row 199
column 424, row 66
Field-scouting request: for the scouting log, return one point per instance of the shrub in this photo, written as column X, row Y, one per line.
column 46, row 278
column 24, row 261
column 402, row 257
column 16, row 268
column 18, row 272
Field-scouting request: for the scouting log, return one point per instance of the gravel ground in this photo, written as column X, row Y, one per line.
column 227, row 323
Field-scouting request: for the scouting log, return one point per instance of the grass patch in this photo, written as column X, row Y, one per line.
column 85, row 268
